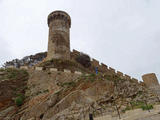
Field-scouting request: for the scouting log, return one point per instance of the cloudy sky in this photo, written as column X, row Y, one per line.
column 124, row 34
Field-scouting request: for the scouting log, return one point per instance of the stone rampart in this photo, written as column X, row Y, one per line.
column 127, row 77
column 39, row 68
column 95, row 62
column 112, row 70
column 134, row 80
column 120, row 74
column 104, row 68
column 24, row 67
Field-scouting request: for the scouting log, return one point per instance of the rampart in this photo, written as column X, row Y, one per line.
column 94, row 63
column 50, row 69
column 104, row 68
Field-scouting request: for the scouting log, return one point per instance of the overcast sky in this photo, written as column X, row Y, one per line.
column 123, row 34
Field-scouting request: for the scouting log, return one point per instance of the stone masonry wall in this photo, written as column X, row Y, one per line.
column 59, row 24
column 104, row 68
column 150, row 79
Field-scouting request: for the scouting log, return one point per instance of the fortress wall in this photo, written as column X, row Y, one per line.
column 112, row 70
column 57, row 70
column 103, row 67
column 24, row 67
column 127, row 77
column 95, row 63
column 11, row 66
column 53, row 69
column 120, row 74
column 39, row 68
column 67, row 71
column 134, row 80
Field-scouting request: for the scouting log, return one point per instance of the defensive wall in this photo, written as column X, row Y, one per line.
column 103, row 67
column 51, row 70
column 94, row 63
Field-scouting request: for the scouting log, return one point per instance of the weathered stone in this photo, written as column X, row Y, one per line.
column 2, row 73
column 67, row 71
column 24, row 67
column 150, row 79
column 119, row 73
column 59, row 23
column 77, row 72
column 39, row 68
column 6, row 111
column 53, row 69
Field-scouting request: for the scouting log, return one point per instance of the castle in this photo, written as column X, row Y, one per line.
column 59, row 23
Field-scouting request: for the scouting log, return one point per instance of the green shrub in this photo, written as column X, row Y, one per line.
column 147, row 107
column 19, row 99
column 16, row 73
column 69, row 84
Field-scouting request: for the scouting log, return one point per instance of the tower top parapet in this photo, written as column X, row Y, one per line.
column 59, row 15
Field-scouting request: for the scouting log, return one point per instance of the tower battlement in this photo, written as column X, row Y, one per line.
column 59, row 15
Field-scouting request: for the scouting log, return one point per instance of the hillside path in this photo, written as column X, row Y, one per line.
column 136, row 114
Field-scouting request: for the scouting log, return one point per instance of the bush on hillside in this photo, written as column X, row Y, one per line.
column 84, row 60
column 19, row 100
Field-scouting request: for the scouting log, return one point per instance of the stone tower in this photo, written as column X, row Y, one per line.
column 150, row 79
column 59, row 23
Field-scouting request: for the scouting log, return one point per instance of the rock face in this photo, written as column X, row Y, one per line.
column 13, row 82
column 59, row 23
column 68, row 96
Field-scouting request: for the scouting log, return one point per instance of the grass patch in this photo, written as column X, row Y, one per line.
column 16, row 73
column 148, row 107
column 138, row 104
column 69, row 84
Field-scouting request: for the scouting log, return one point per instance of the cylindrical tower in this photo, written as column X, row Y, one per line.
column 150, row 79
column 59, row 23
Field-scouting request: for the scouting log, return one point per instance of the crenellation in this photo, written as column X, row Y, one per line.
column 104, row 66
column 127, row 77
column 78, row 73
column 135, row 80
column 11, row 66
column 53, row 69
column 95, row 62
column 120, row 74
column 24, row 67
column 39, row 68
column 67, row 71
column 112, row 70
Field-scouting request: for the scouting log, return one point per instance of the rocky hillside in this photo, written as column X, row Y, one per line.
column 46, row 95
column 13, row 83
